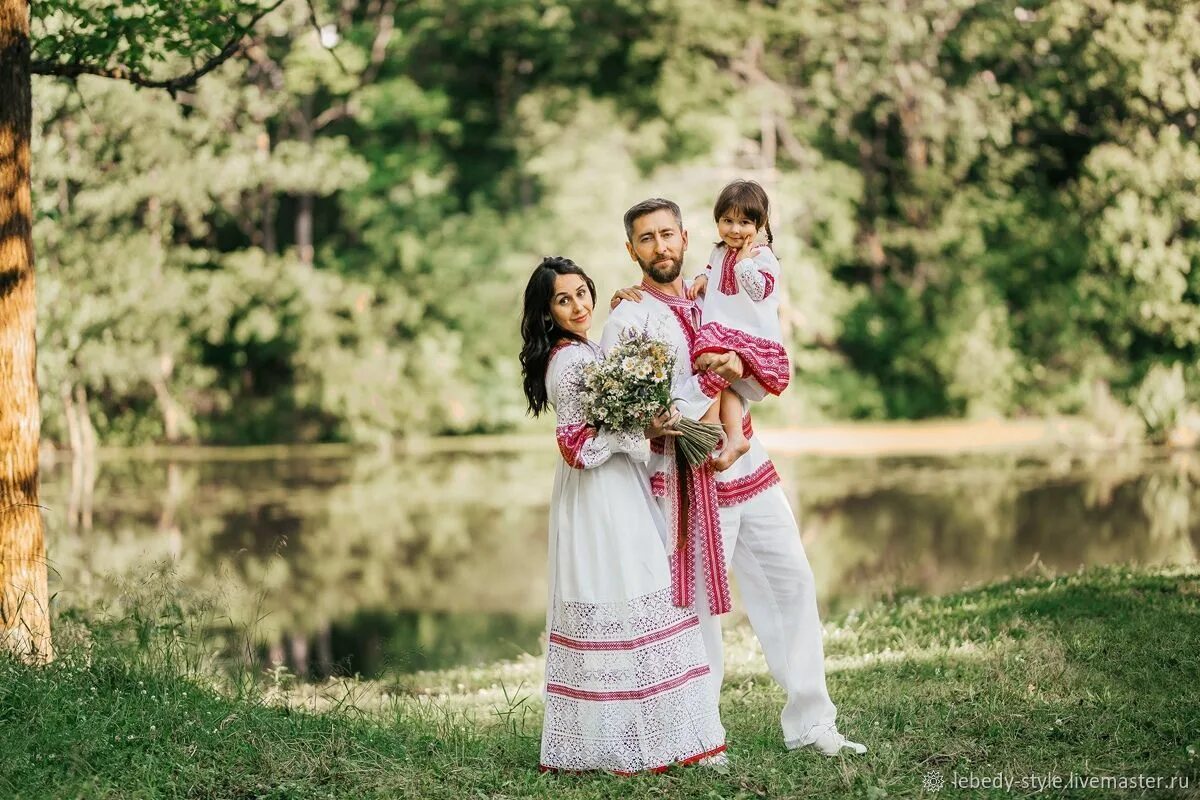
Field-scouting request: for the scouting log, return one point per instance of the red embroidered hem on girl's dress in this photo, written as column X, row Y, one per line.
column 739, row 490
column 712, row 384
column 683, row 762
column 658, row 484
column 764, row 359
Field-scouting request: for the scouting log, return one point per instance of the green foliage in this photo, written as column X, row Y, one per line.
column 138, row 36
column 981, row 208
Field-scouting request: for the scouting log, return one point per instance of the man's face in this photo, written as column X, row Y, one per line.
column 658, row 245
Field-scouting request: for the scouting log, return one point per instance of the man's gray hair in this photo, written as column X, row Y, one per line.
column 649, row 207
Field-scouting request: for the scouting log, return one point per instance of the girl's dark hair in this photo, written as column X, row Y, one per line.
column 749, row 198
column 539, row 332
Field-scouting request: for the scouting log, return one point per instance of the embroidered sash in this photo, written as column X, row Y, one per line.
column 692, row 495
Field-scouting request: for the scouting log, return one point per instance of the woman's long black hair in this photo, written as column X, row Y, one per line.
column 539, row 332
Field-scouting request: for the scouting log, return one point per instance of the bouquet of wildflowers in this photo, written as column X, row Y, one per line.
column 632, row 385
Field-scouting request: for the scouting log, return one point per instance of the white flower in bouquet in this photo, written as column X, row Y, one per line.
column 622, row 391
column 632, row 385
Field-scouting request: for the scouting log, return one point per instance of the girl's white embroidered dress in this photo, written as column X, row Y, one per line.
column 741, row 313
column 628, row 687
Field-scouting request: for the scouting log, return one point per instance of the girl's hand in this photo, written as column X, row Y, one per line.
column 748, row 246
column 664, row 424
column 698, row 287
column 631, row 293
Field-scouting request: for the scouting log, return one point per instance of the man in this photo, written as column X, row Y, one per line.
column 741, row 519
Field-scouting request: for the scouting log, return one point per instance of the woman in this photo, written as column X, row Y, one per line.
column 627, row 684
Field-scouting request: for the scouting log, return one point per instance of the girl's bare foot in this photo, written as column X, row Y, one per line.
column 733, row 450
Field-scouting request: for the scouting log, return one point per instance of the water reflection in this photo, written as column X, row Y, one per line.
column 376, row 565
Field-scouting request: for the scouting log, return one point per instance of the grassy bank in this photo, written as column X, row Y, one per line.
column 1094, row 674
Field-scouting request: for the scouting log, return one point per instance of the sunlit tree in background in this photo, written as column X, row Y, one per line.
column 107, row 39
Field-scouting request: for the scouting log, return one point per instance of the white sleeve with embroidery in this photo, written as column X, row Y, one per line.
column 581, row 445
column 757, row 274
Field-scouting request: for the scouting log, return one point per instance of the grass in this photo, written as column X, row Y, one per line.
column 1095, row 674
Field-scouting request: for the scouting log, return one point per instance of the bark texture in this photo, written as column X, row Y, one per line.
column 24, row 602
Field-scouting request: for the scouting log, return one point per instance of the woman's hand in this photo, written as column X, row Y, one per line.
column 664, row 424
column 706, row 361
column 631, row 293
column 698, row 287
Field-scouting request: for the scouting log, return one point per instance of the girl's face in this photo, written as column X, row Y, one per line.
column 571, row 305
column 735, row 228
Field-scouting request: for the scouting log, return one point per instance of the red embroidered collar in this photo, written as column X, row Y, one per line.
column 669, row 299
column 563, row 344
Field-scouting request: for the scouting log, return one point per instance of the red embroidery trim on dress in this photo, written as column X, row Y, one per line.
column 683, row 762
column 669, row 299
column 681, row 307
column 770, row 279
column 626, row 644
column 563, row 344
column 571, row 439
column 728, row 284
column 711, row 384
column 766, row 360
column 630, row 694
column 747, row 428
column 701, row 528
column 739, row 490
column 685, row 322
column 658, row 484
column 701, row 525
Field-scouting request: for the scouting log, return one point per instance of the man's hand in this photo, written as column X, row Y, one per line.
column 698, row 288
column 630, row 293
column 730, row 368
column 664, row 424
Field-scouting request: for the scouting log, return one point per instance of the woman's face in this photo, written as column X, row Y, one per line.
column 571, row 305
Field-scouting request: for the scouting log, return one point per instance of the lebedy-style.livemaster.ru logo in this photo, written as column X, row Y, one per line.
column 934, row 780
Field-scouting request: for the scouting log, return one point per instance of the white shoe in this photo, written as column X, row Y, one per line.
column 831, row 743
column 718, row 763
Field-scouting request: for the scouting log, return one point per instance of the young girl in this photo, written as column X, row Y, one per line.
column 741, row 313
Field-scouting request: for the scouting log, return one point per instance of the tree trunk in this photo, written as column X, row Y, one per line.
column 24, row 601
column 171, row 413
column 304, row 213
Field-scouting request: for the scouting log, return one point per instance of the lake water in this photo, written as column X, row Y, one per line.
column 385, row 565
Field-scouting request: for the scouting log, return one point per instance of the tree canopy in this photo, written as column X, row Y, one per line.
column 982, row 207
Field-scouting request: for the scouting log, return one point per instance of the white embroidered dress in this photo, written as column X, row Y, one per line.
column 741, row 313
column 628, row 687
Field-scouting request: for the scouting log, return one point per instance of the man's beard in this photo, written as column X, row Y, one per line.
column 662, row 272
